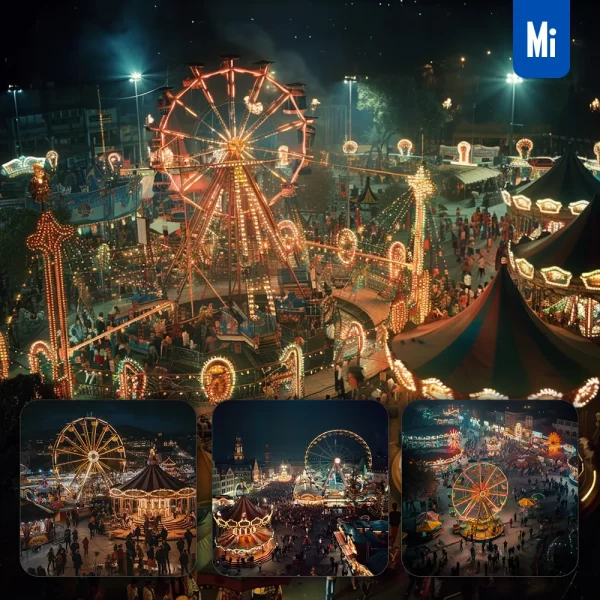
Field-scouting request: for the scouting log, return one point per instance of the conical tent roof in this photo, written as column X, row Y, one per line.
column 151, row 479
column 242, row 510
column 368, row 197
column 574, row 248
column 567, row 181
column 498, row 343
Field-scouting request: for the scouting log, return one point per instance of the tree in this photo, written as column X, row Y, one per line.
column 316, row 192
column 418, row 480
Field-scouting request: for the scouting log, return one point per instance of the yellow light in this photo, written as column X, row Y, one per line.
column 546, row 394
column 589, row 492
column 578, row 207
column 524, row 148
column 350, row 147
column 434, row 389
column 555, row 276
column 525, row 268
column 586, row 392
column 488, row 394
column 591, row 280
column 522, row 202
column 548, row 206
column 405, row 146
column 506, row 197
column 464, row 153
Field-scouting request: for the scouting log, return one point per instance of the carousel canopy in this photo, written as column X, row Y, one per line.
column 574, row 248
column 566, row 182
column 498, row 343
column 152, row 479
column 242, row 510
column 32, row 511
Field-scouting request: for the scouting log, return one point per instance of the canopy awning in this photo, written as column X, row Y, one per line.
column 474, row 175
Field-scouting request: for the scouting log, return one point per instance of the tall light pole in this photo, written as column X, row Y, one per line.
column 15, row 89
column 135, row 77
column 349, row 80
column 512, row 79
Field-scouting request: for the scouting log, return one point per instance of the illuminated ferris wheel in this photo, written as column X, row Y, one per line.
column 478, row 495
column 86, row 450
column 232, row 142
column 332, row 455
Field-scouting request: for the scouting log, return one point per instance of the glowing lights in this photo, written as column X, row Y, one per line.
column 592, row 487
column 290, row 238
column 39, row 186
column 350, row 147
column 591, row 280
column 554, row 439
column 217, row 379
column 115, row 160
column 506, row 197
column 355, row 330
column 548, row 206
column 524, row 148
column 586, row 392
column 397, row 256
column 255, row 108
column 22, row 166
column 282, row 152
column 135, row 77
column 546, row 394
column 402, row 375
column 41, row 347
column 4, row 357
column 525, row 268
column 447, row 103
column 52, row 158
column 464, row 153
column 556, row 277
column 434, row 389
column 347, row 243
column 85, row 449
column 513, row 79
column 578, row 207
column 405, row 147
column 521, row 202
column 519, row 430
column 132, row 379
column 488, row 394
column 293, row 358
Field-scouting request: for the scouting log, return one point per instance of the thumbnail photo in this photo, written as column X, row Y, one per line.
column 108, row 489
column 490, row 488
column 300, row 488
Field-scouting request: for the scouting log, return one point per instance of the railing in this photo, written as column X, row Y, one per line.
column 186, row 357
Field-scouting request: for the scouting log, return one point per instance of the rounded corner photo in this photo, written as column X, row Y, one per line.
column 490, row 488
column 306, row 495
column 108, row 488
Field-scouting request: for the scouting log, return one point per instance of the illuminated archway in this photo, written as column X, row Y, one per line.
column 293, row 358
column 132, row 379
column 397, row 256
column 41, row 347
column 350, row 331
column 217, row 379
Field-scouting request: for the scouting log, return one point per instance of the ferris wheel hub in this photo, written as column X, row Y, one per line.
column 93, row 456
column 236, row 146
column 337, row 461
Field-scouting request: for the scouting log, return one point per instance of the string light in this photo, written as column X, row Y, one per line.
column 350, row 147
column 548, row 206
column 578, row 207
column 218, row 379
column 129, row 370
column 586, row 392
column 405, row 147
column 4, row 357
column 556, row 277
column 524, row 148
column 591, row 280
column 293, row 358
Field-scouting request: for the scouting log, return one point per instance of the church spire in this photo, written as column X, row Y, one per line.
column 238, row 455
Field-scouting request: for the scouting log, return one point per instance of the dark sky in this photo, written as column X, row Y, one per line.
column 288, row 427
column 169, row 417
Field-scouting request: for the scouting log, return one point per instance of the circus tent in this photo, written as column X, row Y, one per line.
column 497, row 348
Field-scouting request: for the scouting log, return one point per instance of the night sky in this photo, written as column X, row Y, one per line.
column 168, row 417
column 288, row 427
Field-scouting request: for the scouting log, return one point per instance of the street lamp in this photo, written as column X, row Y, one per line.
column 135, row 77
column 350, row 79
column 15, row 89
column 512, row 79
column 595, row 105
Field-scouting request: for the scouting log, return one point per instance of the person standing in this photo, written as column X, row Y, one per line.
column 132, row 590
column 184, row 560
column 188, row 538
column 51, row 560
column 77, row 562
column 86, row 544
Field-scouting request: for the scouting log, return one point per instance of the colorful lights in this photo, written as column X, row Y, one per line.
column 52, row 158
column 41, row 347
column 525, row 268
column 434, row 389
column 578, row 207
column 556, row 277
column 218, row 379
column 546, row 394
column 255, row 108
column 397, row 256
column 347, row 243
column 22, row 166
column 4, row 357
column 488, row 394
column 464, row 153
column 548, row 206
column 591, row 280
column 521, row 202
column 586, row 392
column 132, row 379
column 524, row 148
column 405, row 146
column 293, row 358
column 350, row 147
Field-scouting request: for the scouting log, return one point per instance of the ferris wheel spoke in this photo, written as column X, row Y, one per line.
column 493, row 472
column 214, row 108
column 80, row 439
column 86, row 433
column 254, row 93
column 497, row 484
column 231, row 94
column 188, row 136
column 472, row 503
column 102, row 434
column 107, row 451
column 470, row 480
column 463, row 500
column 271, row 109
column 276, row 131
column 77, row 452
column 71, row 462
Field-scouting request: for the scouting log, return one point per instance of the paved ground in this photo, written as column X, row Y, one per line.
column 99, row 547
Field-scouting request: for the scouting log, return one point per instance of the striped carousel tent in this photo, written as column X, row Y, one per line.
column 574, row 250
column 557, row 196
column 152, row 479
column 497, row 347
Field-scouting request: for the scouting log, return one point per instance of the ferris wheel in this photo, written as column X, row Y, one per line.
column 232, row 142
column 332, row 454
column 87, row 449
column 480, row 492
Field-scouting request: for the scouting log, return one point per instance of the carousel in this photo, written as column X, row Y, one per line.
column 37, row 524
column 555, row 199
column 244, row 532
column 154, row 493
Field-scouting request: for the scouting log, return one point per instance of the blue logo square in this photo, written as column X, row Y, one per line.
column 541, row 38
